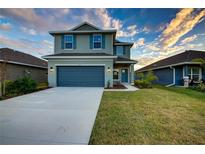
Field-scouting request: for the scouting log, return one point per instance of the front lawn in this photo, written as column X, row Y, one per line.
column 151, row 116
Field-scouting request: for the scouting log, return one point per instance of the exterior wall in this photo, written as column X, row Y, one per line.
column 165, row 76
column 83, row 44
column 79, row 62
column 126, row 51
column 14, row 72
column 178, row 75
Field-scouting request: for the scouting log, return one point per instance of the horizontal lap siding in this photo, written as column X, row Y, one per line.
column 165, row 76
column 179, row 75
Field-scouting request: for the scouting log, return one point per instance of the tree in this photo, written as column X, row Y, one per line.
column 3, row 74
column 201, row 61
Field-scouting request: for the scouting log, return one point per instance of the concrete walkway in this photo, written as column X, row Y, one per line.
column 54, row 116
column 127, row 85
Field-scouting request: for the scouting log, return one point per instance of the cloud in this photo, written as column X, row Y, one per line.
column 37, row 48
column 5, row 26
column 130, row 31
column 28, row 31
column 140, row 42
column 188, row 39
column 184, row 22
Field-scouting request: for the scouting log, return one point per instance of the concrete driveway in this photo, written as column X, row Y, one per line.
column 54, row 116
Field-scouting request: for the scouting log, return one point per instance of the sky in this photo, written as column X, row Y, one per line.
column 156, row 33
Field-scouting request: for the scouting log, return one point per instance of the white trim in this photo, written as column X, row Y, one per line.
column 174, row 78
column 76, row 57
column 200, row 72
column 84, row 23
column 18, row 63
column 170, row 66
column 67, row 42
column 97, row 42
column 82, row 32
column 79, row 64
column 125, row 62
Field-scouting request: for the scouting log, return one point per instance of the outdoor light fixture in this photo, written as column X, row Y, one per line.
column 51, row 69
column 108, row 69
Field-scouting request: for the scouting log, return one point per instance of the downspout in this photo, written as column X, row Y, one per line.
column 173, row 83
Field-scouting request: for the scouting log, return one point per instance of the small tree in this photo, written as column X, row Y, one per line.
column 3, row 74
column 200, row 60
column 145, row 80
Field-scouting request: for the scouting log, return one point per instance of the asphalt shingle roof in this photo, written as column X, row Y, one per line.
column 7, row 54
column 186, row 56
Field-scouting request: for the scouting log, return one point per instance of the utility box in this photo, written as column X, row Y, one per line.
column 186, row 81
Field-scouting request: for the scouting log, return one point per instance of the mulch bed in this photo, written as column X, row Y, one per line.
column 117, row 86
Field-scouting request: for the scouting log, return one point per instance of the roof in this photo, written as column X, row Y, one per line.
column 117, row 42
column 80, row 55
column 79, row 30
column 17, row 57
column 181, row 58
column 123, row 59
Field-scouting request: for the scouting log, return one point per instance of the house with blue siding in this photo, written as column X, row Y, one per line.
column 89, row 56
column 172, row 70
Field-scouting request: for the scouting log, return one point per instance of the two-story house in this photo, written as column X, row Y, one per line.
column 87, row 56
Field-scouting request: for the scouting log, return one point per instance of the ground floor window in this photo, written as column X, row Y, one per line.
column 194, row 73
column 116, row 74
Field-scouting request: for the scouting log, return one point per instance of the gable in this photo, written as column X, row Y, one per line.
column 85, row 28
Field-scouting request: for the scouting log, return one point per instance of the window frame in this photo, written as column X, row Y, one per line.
column 116, row 70
column 116, row 52
column 97, row 42
column 191, row 74
column 68, row 42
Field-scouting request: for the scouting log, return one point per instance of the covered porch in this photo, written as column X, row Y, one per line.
column 123, row 71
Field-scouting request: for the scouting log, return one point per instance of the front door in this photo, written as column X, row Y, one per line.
column 124, row 75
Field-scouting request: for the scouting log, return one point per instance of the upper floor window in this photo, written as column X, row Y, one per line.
column 194, row 73
column 97, row 41
column 119, row 50
column 68, row 41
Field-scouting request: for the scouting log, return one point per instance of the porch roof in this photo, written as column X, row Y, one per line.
column 123, row 60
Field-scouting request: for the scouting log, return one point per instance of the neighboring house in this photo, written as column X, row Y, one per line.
column 87, row 56
column 15, row 64
column 172, row 70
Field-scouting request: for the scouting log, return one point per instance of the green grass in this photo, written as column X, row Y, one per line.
column 151, row 116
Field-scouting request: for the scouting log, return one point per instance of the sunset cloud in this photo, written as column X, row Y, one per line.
column 188, row 39
column 5, row 26
column 184, row 22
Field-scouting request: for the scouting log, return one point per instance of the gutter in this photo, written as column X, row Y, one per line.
column 173, row 83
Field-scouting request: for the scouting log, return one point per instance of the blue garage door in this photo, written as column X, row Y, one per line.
column 80, row 76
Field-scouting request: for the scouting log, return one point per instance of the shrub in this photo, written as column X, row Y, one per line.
column 199, row 87
column 21, row 86
column 145, row 80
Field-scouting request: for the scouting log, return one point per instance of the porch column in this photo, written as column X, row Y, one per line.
column 185, row 70
column 132, row 74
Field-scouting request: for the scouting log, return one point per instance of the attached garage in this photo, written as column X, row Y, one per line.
column 80, row 76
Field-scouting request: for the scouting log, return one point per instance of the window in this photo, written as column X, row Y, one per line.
column 68, row 41
column 119, row 50
column 97, row 41
column 194, row 73
column 115, row 74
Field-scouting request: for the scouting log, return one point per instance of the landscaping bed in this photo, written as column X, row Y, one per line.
column 159, row 115
column 117, row 86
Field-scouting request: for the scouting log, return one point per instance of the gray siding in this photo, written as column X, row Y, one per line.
column 52, row 76
column 14, row 72
column 126, row 51
column 83, row 44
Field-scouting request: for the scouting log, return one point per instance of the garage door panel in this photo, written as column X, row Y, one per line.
column 80, row 76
